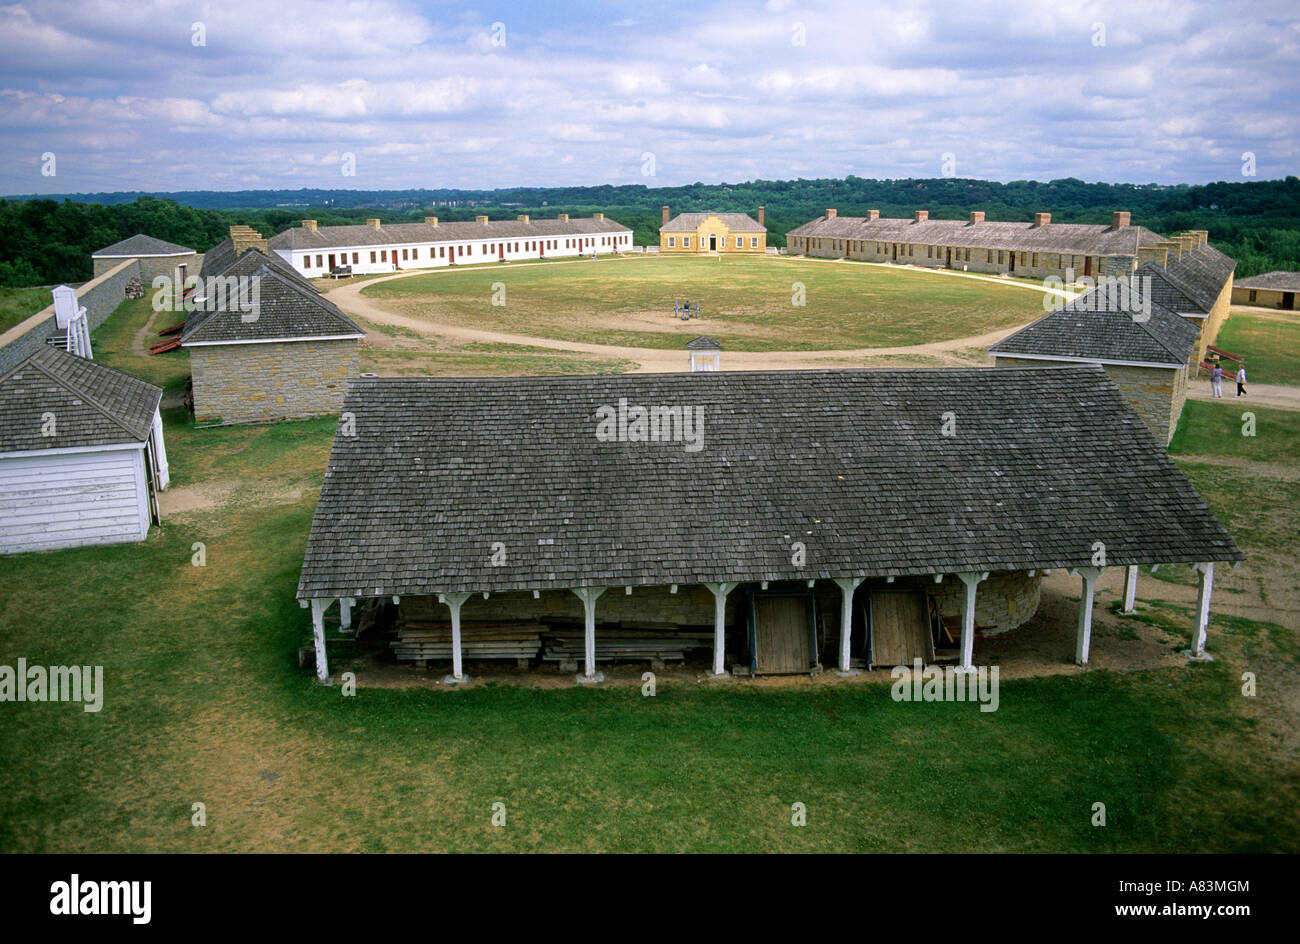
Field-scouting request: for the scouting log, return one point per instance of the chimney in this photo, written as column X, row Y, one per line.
column 373, row 222
column 1119, row 219
column 1159, row 254
column 831, row 214
column 522, row 217
column 873, row 214
column 921, row 216
column 976, row 216
column 665, row 222
column 1187, row 240
column 245, row 238
column 1173, row 249
column 563, row 217
column 760, row 217
column 598, row 216
column 1042, row 219
column 481, row 219
column 431, row 220
column 309, row 224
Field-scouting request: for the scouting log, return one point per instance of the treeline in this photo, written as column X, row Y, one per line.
column 1255, row 222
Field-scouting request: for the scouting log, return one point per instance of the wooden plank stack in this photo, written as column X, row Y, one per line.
column 421, row 642
column 627, row 643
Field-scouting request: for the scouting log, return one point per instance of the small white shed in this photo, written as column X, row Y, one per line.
column 81, row 454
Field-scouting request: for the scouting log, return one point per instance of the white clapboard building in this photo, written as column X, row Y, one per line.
column 393, row 247
column 81, row 454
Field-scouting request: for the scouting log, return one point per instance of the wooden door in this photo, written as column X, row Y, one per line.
column 900, row 628
column 781, row 635
column 1087, row 265
column 331, row 262
column 1288, row 300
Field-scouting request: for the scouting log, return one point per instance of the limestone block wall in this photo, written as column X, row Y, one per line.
column 1157, row 394
column 1004, row 601
column 100, row 297
column 251, row 383
column 1214, row 321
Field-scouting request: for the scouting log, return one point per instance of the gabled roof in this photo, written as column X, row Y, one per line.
column 1081, row 238
column 1085, row 328
column 703, row 343
column 331, row 237
column 221, row 261
column 141, row 245
column 285, row 310
column 1045, row 463
column 89, row 404
column 690, row 222
column 1201, row 274
column 1277, row 281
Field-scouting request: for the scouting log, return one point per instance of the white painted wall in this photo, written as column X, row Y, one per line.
column 476, row 252
column 70, row 499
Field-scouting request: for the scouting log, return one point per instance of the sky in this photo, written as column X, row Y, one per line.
column 161, row 95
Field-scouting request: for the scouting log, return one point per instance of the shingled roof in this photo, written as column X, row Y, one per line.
column 1085, row 329
column 221, row 261
column 1082, row 238
column 1277, row 281
column 92, row 405
column 1201, row 274
column 141, row 245
column 1045, row 463
column 690, row 222
column 703, row 343
column 286, row 311
column 388, row 234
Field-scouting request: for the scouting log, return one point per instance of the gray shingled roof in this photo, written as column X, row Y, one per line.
column 1126, row 333
column 703, row 343
column 1081, row 238
column 1201, row 275
column 690, row 222
column 286, row 310
column 92, row 405
column 1045, row 462
column 1277, row 281
column 221, row 260
column 141, row 245
column 330, row 237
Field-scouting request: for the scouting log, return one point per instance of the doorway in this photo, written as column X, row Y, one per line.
column 713, row 242
column 782, row 634
column 1288, row 301
column 899, row 624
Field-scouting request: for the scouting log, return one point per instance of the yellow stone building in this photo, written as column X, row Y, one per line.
column 713, row 232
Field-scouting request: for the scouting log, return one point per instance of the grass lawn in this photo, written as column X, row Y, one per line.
column 19, row 304
column 204, row 703
column 1215, row 428
column 1268, row 342
column 745, row 303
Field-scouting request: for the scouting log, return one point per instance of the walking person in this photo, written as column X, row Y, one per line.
column 1241, row 380
column 1216, row 381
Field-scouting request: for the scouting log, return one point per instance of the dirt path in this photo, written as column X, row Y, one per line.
column 1274, row 395
column 654, row 360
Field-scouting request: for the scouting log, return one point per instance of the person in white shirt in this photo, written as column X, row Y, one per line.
column 1241, row 380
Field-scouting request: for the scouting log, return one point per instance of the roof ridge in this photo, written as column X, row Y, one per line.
column 74, row 389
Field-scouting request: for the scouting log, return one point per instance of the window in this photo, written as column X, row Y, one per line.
column 320, row 263
column 1035, row 262
column 406, row 255
column 442, row 252
column 356, row 258
column 672, row 242
column 372, row 255
column 686, row 242
column 1252, row 294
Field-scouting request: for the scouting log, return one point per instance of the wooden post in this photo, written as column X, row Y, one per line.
column 971, row 579
column 1083, row 642
column 345, row 612
column 589, row 596
column 1130, row 587
column 847, row 587
column 1200, row 633
column 720, row 591
column 318, row 608
column 454, row 602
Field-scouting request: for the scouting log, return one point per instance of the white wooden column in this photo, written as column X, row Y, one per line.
column 454, row 602
column 1130, row 587
column 971, row 579
column 160, row 452
column 1084, row 640
column 318, row 608
column 589, row 596
column 720, row 591
column 1200, row 633
column 847, row 586
column 345, row 612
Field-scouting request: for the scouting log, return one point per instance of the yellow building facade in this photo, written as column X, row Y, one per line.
column 713, row 233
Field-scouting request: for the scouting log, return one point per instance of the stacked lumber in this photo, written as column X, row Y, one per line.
column 421, row 641
column 628, row 643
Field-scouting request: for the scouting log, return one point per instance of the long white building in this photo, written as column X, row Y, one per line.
column 376, row 247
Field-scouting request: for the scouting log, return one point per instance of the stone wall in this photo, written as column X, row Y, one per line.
column 151, row 266
column 100, row 297
column 1212, row 323
column 1157, row 394
column 252, row 383
column 1005, row 600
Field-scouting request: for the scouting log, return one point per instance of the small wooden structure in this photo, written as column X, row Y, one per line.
column 705, row 354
